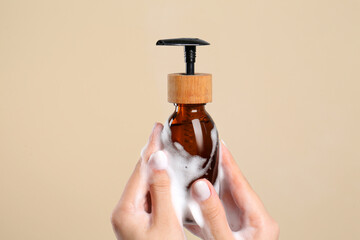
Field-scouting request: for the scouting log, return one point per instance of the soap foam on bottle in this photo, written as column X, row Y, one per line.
column 184, row 168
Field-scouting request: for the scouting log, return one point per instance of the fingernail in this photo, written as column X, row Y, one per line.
column 158, row 160
column 201, row 190
column 223, row 142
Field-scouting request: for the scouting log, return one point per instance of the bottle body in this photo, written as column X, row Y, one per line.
column 193, row 128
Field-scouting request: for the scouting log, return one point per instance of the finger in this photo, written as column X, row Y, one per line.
column 244, row 196
column 126, row 206
column 135, row 190
column 154, row 143
column 133, row 196
column 212, row 210
column 160, row 190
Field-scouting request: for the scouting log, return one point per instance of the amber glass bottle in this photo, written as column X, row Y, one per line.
column 192, row 127
column 193, row 132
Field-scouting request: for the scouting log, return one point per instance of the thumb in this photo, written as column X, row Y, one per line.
column 160, row 190
column 212, row 210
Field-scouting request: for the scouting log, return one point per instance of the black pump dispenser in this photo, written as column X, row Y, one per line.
column 190, row 49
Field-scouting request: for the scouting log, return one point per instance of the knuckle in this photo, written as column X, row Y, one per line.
column 119, row 222
column 161, row 183
column 212, row 212
column 274, row 226
column 115, row 219
column 119, row 216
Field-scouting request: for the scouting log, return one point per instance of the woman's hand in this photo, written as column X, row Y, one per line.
column 241, row 215
column 145, row 211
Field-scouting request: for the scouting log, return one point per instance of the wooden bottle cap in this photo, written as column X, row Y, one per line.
column 189, row 89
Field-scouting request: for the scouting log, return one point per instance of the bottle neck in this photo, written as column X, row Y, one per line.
column 189, row 108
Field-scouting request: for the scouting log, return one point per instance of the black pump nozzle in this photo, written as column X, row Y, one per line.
column 190, row 50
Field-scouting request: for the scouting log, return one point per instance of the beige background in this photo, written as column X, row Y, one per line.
column 82, row 82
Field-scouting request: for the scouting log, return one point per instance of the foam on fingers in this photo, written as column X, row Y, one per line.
column 154, row 142
column 182, row 169
column 158, row 160
column 201, row 190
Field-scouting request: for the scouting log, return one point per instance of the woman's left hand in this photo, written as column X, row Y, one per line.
column 145, row 211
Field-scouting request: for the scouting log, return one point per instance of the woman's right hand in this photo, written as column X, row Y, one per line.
column 241, row 215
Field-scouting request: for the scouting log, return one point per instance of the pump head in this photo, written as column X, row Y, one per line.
column 190, row 49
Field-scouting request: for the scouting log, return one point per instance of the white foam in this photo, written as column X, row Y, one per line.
column 183, row 169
